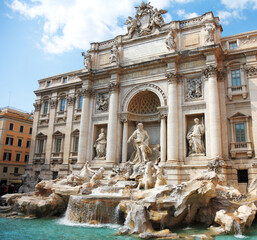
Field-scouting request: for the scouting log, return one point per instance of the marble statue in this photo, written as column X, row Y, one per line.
column 102, row 103
column 215, row 165
column 209, row 28
column 170, row 40
column 160, row 179
column 82, row 177
column 100, row 145
column 146, row 20
column 148, row 180
column 132, row 26
column 157, row 19
column 95, row 180
column 141, row 144
column 114, row 58
column 87, row 60
column 195, row 139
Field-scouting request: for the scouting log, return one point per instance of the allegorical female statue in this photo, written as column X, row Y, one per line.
column 195, row 139
column 100, row 145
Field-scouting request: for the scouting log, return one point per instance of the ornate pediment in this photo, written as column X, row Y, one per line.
column 146, row 21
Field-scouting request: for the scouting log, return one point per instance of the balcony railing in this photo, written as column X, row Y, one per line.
column 56, row 158
column 241, row 148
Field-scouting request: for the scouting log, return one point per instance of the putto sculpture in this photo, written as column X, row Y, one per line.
column 195, row 138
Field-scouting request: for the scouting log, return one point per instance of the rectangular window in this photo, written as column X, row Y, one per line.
column 76, row 143
column 21, row 129
column 45, row 110
column 236, row 78
column 64, row 80
column 26, row 159
column 58, row 143
column 9, row 141
column 11, row 126
column 80, row 102
column 48, row 84
column 18, row 157
column 62, row 105
column 16, row 170
column 30, row 131
column 242, row 176
column 233, row 45
column 240, row 132
column 40, row 146
column 5, row 169
column 28, row 144
column 7, row 156
column 19, row 142
column 55, row 175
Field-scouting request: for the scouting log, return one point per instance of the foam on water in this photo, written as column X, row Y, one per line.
column 64, row 221
column 99, row 192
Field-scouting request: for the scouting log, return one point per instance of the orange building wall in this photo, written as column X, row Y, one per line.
column 16, row 134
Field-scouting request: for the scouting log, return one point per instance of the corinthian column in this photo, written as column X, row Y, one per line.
column 172, row 121
column 84, row 126
column 112, row 123
column 210, row 74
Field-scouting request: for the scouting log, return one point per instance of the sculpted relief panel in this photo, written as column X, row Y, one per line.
column 102, row 102
column 193, row 89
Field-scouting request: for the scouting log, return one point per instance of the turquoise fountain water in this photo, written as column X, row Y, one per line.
column 55, row 229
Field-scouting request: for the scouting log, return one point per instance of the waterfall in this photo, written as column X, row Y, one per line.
column 237, row 230
column 89, row 210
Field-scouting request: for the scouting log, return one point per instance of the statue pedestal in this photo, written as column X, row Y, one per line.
column 197, row 159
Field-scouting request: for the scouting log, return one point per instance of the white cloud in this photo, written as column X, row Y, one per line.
column 70, row 24
column 240, row 4
column 182, row 14
column 227, row 16
column 235, row 9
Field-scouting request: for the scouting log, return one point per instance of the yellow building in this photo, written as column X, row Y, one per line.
column 15, row 141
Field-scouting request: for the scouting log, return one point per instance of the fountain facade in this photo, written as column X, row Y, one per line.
column 148, row 153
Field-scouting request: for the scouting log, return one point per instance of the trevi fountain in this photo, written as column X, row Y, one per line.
column 148, row 154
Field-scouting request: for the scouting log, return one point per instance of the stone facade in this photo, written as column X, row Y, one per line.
column 165, row 76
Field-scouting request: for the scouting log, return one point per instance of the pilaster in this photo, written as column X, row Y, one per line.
column 210, row 73
column 84, row 124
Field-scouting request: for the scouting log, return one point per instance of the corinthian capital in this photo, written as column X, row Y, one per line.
column 113, row 86
column 85, row 92
column 209, row 71
column 37, row 106
column 173, row 77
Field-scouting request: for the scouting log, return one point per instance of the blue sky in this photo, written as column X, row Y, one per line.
column 41, row 38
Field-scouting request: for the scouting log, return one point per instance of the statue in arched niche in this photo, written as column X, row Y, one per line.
column 195, row 138
column 141, row 144
column 100, row 145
